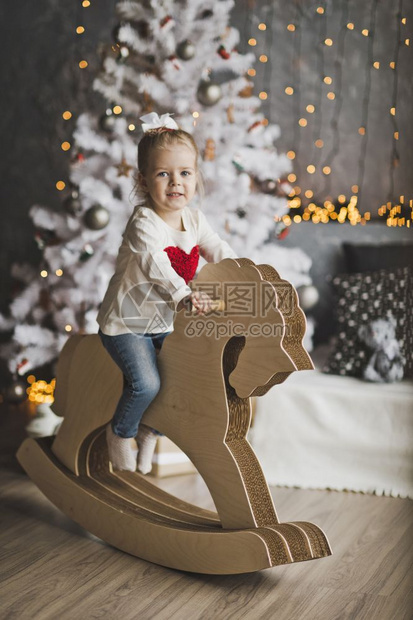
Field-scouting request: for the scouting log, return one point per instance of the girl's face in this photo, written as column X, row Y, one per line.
column 171, row 178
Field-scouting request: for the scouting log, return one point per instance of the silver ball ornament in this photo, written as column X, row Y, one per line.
column 185, row 50
column 97, row 217
column 209, row 93
column 308, row 296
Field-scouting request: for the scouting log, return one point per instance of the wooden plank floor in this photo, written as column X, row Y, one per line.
column 52, row 569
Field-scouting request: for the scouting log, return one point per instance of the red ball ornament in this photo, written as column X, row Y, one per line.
column 223, row 52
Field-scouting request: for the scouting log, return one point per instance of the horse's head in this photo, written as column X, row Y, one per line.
column 260, row 308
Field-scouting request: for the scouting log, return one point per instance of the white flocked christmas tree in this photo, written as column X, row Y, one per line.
column 169, row 56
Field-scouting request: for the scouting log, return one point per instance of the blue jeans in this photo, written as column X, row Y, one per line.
column 135, row 354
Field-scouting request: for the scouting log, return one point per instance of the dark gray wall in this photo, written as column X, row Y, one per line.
column 41, row 79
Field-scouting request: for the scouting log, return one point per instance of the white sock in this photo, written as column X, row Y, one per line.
column 147, row 439
column 121, row 452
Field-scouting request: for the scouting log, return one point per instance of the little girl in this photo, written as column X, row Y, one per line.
column 158, row 256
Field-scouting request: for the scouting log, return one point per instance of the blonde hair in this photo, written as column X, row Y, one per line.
column 163, row 138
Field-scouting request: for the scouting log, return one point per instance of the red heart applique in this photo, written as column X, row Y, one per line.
column 184, row 264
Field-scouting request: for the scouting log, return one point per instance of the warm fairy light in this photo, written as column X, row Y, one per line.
column 365, row 32
column 263, row 58
column 289, row 90
column 65, row 146
column 40, row 391
column 327, row 79
column 392, row 64
column 83, row 64
column 252, row 42
column 308, row 193
column 80, row 30
column 291, row 155
column 328, row 42
column 362, row 131
column 393, row 111
column 68, row 328
column 195, row 114
column 292, row 177
column 331, row 95
column 376, row 64
column 60, row 185
column 67, row 115
column 117, row 109
column 350, row 26
column 354, row 189
column 297, row 190
column 291, row 27
column 262, row 26
column 306, row 217
column 320, row 10
column 407, row 42
column 265, row 122
column 341, row 198
column 302, row 122
column 263, row 95
column 131, row 127
column 401, row 199
column 297, row 219
column 326, row 169
column 404, row 20
column 310, row 108
column 251, row 72
column 59, row 272
column 44, row 273
column 286, row 219
column 295, row 203
column 310, row 169
column 291, row 194
column 85, row 3
column 319, row 144
column 396, row 135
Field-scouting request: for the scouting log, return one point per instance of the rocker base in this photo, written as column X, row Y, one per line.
column 125, row 510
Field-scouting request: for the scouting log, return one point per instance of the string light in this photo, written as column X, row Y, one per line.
column 65, row 146
column 291, row 155
column 40, row 391
column 262, row 26
column 83, row 64
column 44, row 273
column 302, row 122
column 291, row 27
column 60, row 185
column 292, row 177
column 80, row 30
column 251, row 72
column 117, row 109
column 320, row 10
column 289, row 90
column 263, row 58
column 67, row 115
column 310, row 169
column 59, row 272
column 319, row 144
column 328, row 80
column 263, row 95
column 252, row 42
column 131, row 127
column 310, row 108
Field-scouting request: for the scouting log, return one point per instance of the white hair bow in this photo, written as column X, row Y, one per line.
column 153, row 121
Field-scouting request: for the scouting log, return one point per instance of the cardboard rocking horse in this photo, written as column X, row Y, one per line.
column 210, row 366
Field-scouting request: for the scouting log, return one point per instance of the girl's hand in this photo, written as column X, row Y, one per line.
column 201, row 302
